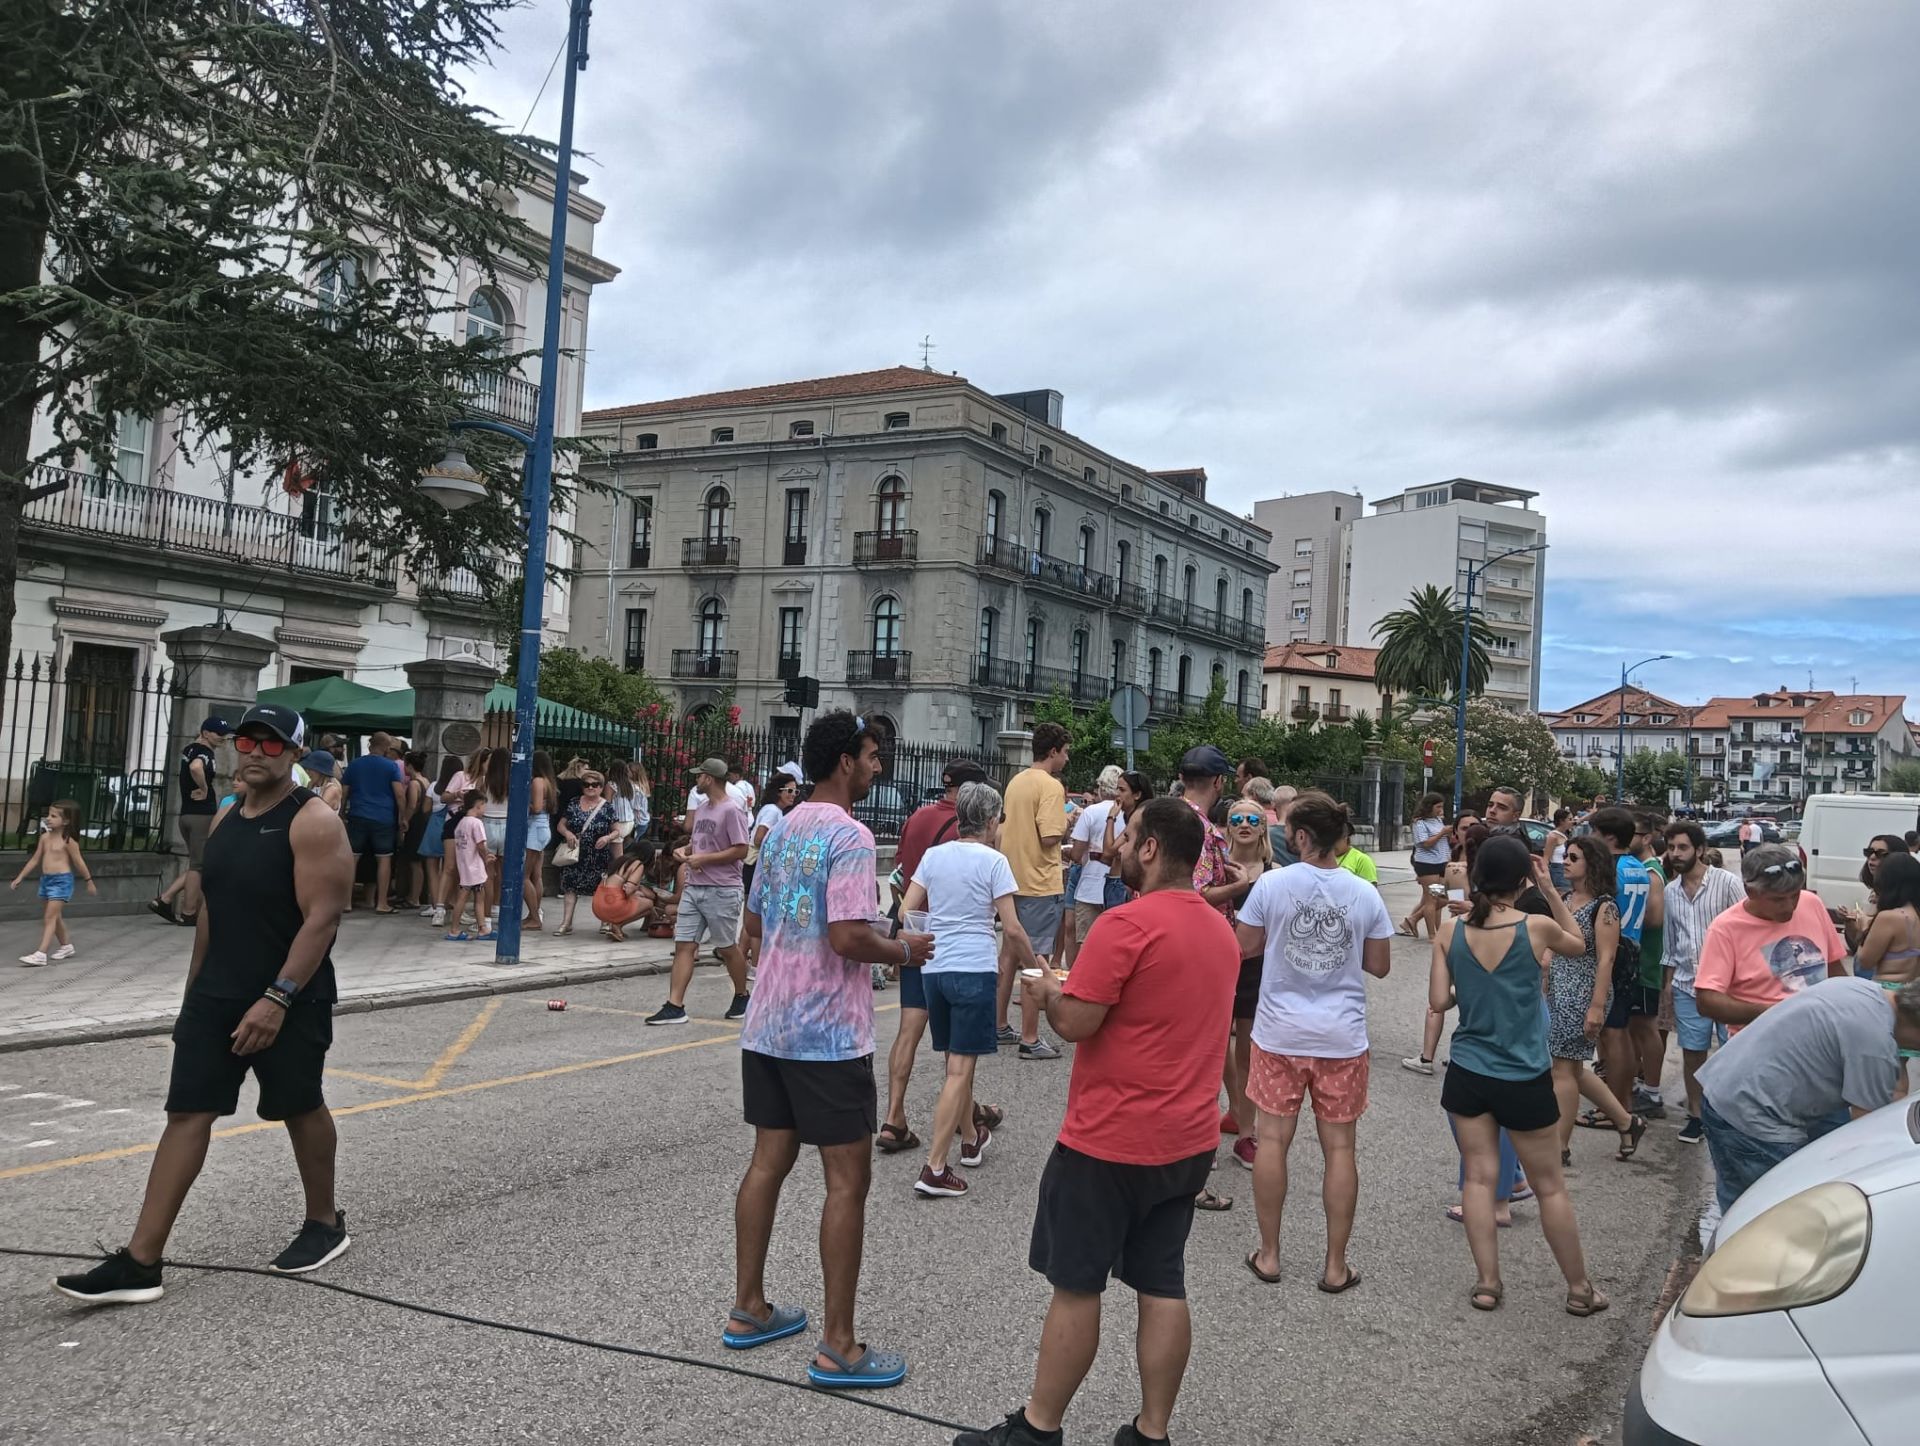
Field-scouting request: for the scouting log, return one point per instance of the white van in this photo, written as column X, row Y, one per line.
column 1835, row 831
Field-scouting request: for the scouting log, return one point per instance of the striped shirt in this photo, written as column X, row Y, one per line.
column 1688, row 914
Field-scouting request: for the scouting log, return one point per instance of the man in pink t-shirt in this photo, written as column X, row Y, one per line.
column 1777, row 943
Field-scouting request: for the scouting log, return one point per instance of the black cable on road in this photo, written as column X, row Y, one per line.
column 562, row 1337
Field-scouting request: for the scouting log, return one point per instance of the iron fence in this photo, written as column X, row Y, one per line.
column 93, row 730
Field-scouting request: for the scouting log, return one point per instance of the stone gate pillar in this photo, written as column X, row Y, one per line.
column 449, row 707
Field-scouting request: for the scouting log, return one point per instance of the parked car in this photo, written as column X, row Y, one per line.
column 886, row 807
column 1726, row 835
column 1800, row 1326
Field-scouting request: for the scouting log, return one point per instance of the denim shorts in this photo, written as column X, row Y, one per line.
column 960, row 1009
column 370, row 836
column 1697, row 1032
column 913, row 989
column 56, row 886
column 539, row 832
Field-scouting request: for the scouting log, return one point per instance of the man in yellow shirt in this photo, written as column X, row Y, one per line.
column 1036, row 824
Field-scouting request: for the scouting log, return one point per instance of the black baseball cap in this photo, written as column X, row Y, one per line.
column 214, row 723
column 1206, row 761
column 962, row 771
column 283, row 723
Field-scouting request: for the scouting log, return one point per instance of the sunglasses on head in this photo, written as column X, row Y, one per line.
column 1791, row 866
column 271, row 747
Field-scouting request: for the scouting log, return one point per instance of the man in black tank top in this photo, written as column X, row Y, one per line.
column 259, row 997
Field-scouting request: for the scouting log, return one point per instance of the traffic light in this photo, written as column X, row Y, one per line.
column 803, row 692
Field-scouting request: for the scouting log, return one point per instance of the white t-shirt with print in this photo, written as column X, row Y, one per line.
column 1313, row 993
column 1090, row 828
column 963, row 879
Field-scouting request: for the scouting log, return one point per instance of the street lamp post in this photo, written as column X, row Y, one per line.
column 455, row 490
column 1466, row 657
column 1620, row 759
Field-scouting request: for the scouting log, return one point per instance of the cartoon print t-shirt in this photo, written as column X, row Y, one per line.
column 1760, row 962
column 1313, row 994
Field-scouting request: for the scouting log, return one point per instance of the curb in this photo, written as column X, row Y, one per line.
column 511, row 982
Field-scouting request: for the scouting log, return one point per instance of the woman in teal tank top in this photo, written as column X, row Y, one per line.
column 1491, row 966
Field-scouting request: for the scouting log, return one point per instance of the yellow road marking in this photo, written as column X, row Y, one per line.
column 438, row 1070
column 127, row 1152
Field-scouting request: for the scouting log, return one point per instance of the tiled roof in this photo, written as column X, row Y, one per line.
column 820, row 389
column 1604, row 711
column 1311, row 658
column 1879, row 708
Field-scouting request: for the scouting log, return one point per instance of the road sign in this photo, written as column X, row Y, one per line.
column 1129, row 704
column 1426, row 754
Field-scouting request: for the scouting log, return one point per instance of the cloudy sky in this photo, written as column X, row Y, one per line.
column 1655, row 261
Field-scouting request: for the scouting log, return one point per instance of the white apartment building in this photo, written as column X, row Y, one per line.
column 1321, row 683
column 1432, row 535
column 1303, row 595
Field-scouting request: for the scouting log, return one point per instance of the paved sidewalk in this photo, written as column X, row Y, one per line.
column 128, row 972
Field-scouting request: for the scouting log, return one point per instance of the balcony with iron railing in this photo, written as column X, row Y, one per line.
column 502, row 396
column 1009, row 676
column 1176, row 612
column 886, row 549
column 788, row 665
column 464, row 584
column 694, row 663
column 887, row 669
column 1336, row 713
column 103, row 513
column 1304, row 712
column 1054, row 573
column 702, row 553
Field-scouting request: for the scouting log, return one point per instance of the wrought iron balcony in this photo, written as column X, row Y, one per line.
column 466, row 585
column 886, row 549
column 1043, row 570
column 1304, row 712
column 692, row 663
column 894, row 670
column 502, row 396
column 699, row 553
column 788, row 666
column 1336, row 713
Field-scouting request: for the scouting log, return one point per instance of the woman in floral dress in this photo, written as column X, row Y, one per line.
column 589, row 825
column 1577, row 993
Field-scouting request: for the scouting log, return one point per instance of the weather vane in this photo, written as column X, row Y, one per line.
column 927, row 349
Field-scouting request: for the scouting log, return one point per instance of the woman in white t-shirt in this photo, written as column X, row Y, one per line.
column 1088, row 843
column 1432, row 849
column 964, row 886
column 786, row 793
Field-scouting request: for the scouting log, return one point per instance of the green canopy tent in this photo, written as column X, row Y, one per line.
column 341, row 706
column 553, row 722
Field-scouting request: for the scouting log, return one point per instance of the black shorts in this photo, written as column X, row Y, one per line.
column 1422, row 870
column 1626, row 983
column 207, row 1073
column 1097, row 1218
column 369, row 836
column 823, row 1101
column 1642, row 1000
column 1515, row 1104
column 1246, row 992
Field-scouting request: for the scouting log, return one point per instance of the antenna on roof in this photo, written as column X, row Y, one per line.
column 927, row 349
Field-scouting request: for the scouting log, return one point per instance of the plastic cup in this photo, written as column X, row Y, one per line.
column 1032, row 973
column 915, row 921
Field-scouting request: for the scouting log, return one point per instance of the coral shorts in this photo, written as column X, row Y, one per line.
column 1277, row 1083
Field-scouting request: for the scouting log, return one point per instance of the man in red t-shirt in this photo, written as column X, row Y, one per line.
column 1150, row 1002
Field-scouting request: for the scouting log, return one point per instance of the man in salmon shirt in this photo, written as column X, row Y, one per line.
column 1777, row 943
column 1150, row 1004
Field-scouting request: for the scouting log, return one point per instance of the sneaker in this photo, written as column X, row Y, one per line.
column 117, row 1280
column 1129, row 1435
column 1039, row 1049
column 1646, row 1104
column 33, row 960
column 314, row 1246
column 1692, row 1132
column 1007, row 1036
column 438, row 918
column 1228, row 1124
column 946, row 1183
column 427, row 911
column 668, row 1014
column 1243, row 1150
column 974, row 1155
column 1014, row 1431
column 65, row 951
column 1417, row 1064
column 737, row 1009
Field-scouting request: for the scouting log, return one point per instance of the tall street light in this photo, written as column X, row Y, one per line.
column 1466, row 657
column 454, row 485
column 1620, row 758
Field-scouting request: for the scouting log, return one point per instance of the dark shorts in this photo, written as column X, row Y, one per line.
column 824, row 1102
column 1515, row 1104
column 1428, row 871
column 1246, row 992
column 1642, row 1000
column 960, row 1008
column 913, row 989
column 1626, row 981
column 1098, row 1219
column 369, row 836
column 207, row 1073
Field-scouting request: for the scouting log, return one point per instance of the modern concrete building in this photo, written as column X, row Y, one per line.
column 1321, row 683
column 939, row 557
column 1303, row 595
column 1431, row 535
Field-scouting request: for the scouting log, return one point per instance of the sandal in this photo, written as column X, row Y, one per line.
column 1488, row 1297
column 1353, row 1279
column 1458, row 1215
column 782, row 1321
column 1594, row 1120
column 892, row 1139
column 563, row 931
column 1207, row 1200
column 1630, row 1137
column 1587, row 1302
column 992, row 1116
column 869, row 1369
column 1253, row 1257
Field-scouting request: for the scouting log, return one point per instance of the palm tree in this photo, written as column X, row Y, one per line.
column 1420, row 647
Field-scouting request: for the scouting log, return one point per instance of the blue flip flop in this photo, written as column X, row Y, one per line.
column 865, row 1371
column 782, row 1321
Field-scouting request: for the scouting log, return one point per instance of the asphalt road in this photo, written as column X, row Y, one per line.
column 574, row 1171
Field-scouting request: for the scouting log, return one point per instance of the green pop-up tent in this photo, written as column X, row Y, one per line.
column 342, row 706
column 553, row 722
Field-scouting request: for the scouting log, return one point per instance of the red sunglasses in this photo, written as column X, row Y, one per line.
column 271, row 747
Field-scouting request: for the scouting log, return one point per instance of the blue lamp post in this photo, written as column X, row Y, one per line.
column 454, row 486
column 1620, row 761
column 1466, row 657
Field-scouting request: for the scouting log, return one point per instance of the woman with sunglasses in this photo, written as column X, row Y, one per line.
column 1890, row 952
column 589, row 827
column 1859, row 917
column 1250, row 849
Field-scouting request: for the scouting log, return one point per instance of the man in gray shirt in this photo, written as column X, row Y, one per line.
column 1796, row 1071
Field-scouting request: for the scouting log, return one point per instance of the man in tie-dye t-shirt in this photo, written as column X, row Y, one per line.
column 806, row 1050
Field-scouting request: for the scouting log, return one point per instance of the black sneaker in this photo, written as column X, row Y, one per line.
column 735, row 1010
column 1014, row 1431
column 668, row 1014
column 1131, row 1435
column 117, row 1280
column 314, row 1246
column 1692, row 1132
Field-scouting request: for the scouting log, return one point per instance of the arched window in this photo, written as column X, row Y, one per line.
column 1033, row 647
column 886, row 627
column 1220, row 596
column 718, row 511
column 1118, row 671
column 640, row 545
column 989, row 631
column 1078, row 655
column 713, row 628
column 486, row 318
column 1246, row 605
column 1153, row 670
column 1184, row 683
column 646, row 441
column 996, row 509
column 1240, row 689
column 1083, row 550
column 1188, row 578
column 1159, row 577
column 1046, row 456
column 720, row 435
column 800, row 429
column 1219, row 671
column 1042, row 528
column 1122, row 556
column 335, row 283
column 890, row 507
